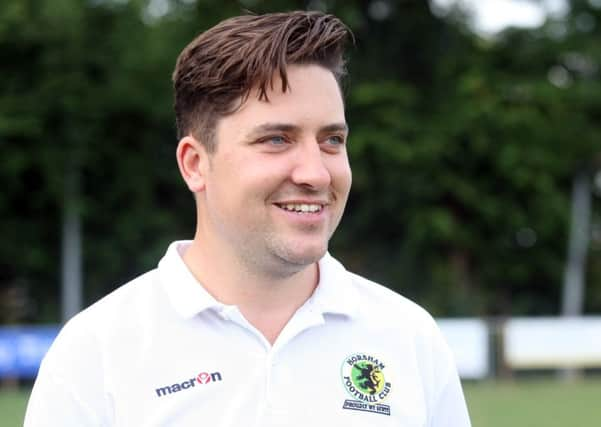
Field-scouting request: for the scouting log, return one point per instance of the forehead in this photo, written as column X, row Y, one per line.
column 313, row 100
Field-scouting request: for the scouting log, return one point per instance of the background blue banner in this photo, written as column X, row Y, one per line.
column 22, row 348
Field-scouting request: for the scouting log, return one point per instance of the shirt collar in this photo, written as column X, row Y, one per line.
column 335, row 292
column 186, row 294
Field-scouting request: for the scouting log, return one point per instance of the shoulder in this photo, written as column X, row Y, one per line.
column 413, row 329
column 402, row 331
column 127, row 298
column 385, row 304
column 72, row 381
column 383, row 312
column 369, row 301
column 87, row 330
column 124, row 302
column 374, row 307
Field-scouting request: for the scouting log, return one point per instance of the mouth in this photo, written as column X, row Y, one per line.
column 301, row 208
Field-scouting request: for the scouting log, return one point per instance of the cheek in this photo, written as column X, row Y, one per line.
column 245, row 183
column 340, row 171
column 263, row 174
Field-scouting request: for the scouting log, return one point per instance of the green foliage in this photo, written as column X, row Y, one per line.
column 463, row 177
column 463, row 150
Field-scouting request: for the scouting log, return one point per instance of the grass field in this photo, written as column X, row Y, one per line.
column 510, row 404
column 535, row 404
column 12, row 408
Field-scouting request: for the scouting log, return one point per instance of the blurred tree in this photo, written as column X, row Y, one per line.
column 463, row 149
column 78, row 105
column 462, row 178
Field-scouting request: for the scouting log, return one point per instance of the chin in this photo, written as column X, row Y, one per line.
column 302, row 256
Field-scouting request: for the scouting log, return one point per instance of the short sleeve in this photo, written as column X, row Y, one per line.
column 69, row 389
column 449, row 407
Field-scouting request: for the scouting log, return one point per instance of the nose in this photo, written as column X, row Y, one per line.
column 310, row 169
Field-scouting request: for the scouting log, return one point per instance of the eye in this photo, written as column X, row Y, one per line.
column 275, row 140
column 335, row 140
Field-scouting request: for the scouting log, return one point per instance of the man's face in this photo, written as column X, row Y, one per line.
column 279, row 179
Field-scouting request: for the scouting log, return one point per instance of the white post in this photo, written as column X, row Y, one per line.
column 575, row 270
column 580, row 229
column 71, row 289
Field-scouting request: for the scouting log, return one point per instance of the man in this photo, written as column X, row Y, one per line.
column 253, row 323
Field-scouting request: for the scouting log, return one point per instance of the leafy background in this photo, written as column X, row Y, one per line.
column 463, row 148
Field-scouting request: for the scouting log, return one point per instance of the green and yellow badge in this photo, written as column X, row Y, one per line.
column 364, row 380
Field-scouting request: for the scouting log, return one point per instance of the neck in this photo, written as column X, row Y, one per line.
column 265, row 299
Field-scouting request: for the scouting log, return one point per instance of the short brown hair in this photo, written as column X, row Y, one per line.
column 216, row 72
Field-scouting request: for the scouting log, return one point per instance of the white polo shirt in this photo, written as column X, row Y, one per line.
column 161, row 351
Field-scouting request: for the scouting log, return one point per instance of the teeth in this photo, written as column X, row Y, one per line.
column 305, row 208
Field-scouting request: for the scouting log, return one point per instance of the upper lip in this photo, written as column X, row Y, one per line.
column 302, row 202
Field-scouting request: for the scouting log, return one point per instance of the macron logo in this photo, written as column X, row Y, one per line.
column 202, row 378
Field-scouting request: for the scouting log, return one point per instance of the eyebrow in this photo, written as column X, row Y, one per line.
column 335, row 127
column 286, row 127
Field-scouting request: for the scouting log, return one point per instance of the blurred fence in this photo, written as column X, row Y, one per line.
column 499, row 347
column 547, row 343
column 22, row 349
column 482, row 348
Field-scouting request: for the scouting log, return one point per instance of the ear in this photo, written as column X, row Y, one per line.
column 192, row 160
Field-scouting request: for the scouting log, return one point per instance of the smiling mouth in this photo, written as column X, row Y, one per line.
column 302, row 208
